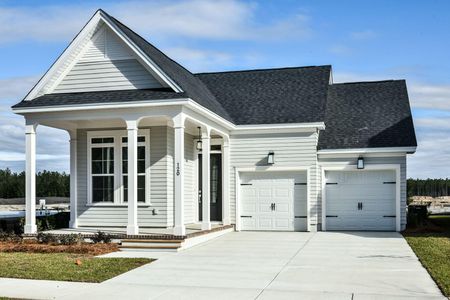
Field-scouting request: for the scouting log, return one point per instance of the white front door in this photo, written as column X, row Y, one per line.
column 360, row 200
column 274, row 201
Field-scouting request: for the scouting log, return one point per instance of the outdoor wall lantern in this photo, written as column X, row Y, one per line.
column 360, row 164
column 199, row 141
column 271, row 158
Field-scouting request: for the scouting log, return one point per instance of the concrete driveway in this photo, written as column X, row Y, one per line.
column 279, row 265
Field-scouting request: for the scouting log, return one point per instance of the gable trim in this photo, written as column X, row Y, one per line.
column 90, row 25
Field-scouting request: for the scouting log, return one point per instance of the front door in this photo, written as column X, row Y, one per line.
column 215, row 189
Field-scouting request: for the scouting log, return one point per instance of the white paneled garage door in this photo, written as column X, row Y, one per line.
column 274, row 201
column 360, row 200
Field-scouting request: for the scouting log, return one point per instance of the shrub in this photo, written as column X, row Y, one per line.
column 47, row 238
column 101, row 237
column 9, row 237
column 70, row 239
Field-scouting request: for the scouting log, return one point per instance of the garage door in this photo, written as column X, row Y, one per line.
column 273, row 201
column 360, row 200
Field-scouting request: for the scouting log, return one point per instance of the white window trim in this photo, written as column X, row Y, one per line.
column 374, row 167
column 118, row 186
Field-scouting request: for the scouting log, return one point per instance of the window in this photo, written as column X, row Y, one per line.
column 108, row 167
column 102, row 169
column 140, row 169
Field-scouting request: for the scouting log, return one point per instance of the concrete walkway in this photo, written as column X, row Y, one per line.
column 282, row 265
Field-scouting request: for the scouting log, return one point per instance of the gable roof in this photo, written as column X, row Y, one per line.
column 368, row 115
column 270, row 96
column 192, row 86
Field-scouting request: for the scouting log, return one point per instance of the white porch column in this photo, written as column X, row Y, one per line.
column 206, row 182
column 30, row 178
column 226, row 182
column 132, row 227
column 73, row 179
column 179, row 227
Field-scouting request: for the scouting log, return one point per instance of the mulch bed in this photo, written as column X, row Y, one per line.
column 34, row 247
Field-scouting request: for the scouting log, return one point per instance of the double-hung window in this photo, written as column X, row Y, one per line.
column 108, row 167
column 141, row 169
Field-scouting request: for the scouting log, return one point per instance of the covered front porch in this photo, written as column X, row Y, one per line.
column 138, row 169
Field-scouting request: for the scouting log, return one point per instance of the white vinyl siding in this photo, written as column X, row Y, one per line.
column 106, row 44
column 400, row 160
column 106, row 64
column 107, row 75
column 291, row 150
column 117, row 216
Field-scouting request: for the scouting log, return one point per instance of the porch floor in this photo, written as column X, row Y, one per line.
column 191, row 229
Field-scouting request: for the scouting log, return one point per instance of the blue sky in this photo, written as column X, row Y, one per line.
column 362, row 40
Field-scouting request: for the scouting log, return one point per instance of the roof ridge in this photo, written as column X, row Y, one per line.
column 262, row 69
column 156, row 48
column 190, row 83
column 369, row 81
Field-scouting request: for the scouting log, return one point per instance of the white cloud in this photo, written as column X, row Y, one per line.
column 432, row 159
column 199, row 60
column 52, row 144
column 222, row 19
column 432, row 96
column 340, row 50
column 363, row 35
column 16, row 88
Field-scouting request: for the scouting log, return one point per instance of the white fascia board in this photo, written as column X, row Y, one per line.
column 368, row 150
column 150, row 63
column 98, row 106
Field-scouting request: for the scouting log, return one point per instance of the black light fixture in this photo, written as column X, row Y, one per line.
column 360, row 164
column 271, row 158
column 199, row 141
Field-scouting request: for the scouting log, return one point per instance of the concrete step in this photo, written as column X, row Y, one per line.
column 127, row 249
column 151, row 243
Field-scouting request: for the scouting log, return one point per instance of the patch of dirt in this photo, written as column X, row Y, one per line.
column 34, row 247
column 434, row 201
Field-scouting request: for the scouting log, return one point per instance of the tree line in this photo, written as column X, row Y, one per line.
column 48, row 184
column 55, row 184
column 428, row 187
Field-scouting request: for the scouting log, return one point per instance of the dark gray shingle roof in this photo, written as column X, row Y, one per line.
column 99, row 97
column 368, row 115
column 288, row 95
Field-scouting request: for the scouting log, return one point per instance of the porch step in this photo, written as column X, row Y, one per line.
column 150, row 245
column 151, row 241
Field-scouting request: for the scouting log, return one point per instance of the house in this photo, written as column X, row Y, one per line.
column 153, row 145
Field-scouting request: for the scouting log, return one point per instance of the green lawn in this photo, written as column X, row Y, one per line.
column 433, row 250
column 62, row 266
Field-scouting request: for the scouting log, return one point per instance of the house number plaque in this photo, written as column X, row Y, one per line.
column 178, row 169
